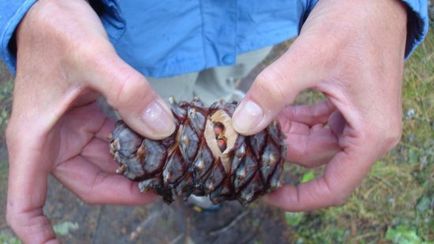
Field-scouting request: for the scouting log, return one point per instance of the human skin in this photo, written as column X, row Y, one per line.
column 352, row 51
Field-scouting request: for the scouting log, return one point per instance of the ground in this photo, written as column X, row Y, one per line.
column 394, row 204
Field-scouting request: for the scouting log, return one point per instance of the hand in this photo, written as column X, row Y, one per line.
column 64, row 61
column 353, row 52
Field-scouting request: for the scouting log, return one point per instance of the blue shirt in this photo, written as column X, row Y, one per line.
column 170, row 37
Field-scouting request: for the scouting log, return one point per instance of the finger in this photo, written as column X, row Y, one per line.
column 77, row 128
column 309, row 114
column 342, row 175
column 95, row 186
column 309, row 146
column 274, row 88
column 337, row 123
column 85, row 122
column 27, row 189
column 106, row 130
column 129, row 92
column 97, row 152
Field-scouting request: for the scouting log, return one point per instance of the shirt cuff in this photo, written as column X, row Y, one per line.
column 417, row 24
column 109, row 13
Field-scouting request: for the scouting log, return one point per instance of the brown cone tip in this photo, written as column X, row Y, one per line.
column 205, row 156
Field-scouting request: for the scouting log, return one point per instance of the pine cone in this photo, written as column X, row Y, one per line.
column 204, row 157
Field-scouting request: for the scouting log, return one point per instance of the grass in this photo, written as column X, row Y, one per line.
column 6, row 87
column 395, row 203
column 5, row 109
column 5, row 104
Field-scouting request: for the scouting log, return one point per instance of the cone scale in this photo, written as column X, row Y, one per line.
column 205, row 156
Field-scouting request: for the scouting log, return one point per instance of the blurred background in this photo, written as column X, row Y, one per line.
column 395, row 203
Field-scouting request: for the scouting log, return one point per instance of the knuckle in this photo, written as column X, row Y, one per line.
column 89, row 199
column 92, row 195
column 11, row 137
column 88, row 196
column 394, row 134
column 30, row 227
column 297, row 152
column 128, row 87
column 392, row 139
column 386, row 134
column 336, row 196
column 271, row 74
column 271, row 83
column 94, row 54
column 338, row 199
column 11, row 219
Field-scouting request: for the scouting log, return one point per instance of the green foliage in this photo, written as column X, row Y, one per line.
column 5, row 104
column 65, row 228
column 312, row 228
column 7, row 238
column 293, row 219
column 403, row 235
column 308, row 176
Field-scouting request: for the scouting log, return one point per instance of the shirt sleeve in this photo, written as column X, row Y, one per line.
column 13, row 11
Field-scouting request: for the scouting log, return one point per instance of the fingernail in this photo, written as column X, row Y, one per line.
column 159, row 119
column 247, row 117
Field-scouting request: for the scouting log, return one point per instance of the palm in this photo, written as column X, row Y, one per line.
column 312, row 133
column 82, row 161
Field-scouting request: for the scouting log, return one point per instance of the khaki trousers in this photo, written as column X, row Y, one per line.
column 212, row 84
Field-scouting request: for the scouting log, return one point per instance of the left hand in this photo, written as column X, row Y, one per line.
column 352, row 52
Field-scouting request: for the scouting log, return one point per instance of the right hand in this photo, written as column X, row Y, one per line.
column 64, row 62
column 352, row 52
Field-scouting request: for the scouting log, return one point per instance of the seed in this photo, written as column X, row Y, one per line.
column 222, row 144
column 219, row 128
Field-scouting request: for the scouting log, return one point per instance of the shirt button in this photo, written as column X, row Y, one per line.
column 228, row 59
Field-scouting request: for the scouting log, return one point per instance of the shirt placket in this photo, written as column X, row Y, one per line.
column 219, row 31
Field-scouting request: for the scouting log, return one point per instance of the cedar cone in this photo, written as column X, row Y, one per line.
column 204, row 156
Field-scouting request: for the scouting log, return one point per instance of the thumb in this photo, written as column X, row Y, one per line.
column 129, row 92
column 276, row 86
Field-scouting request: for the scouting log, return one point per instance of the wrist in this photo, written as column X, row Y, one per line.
column 46, row 15
column 379, row 21
column 392, row 11
column 36, row 19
